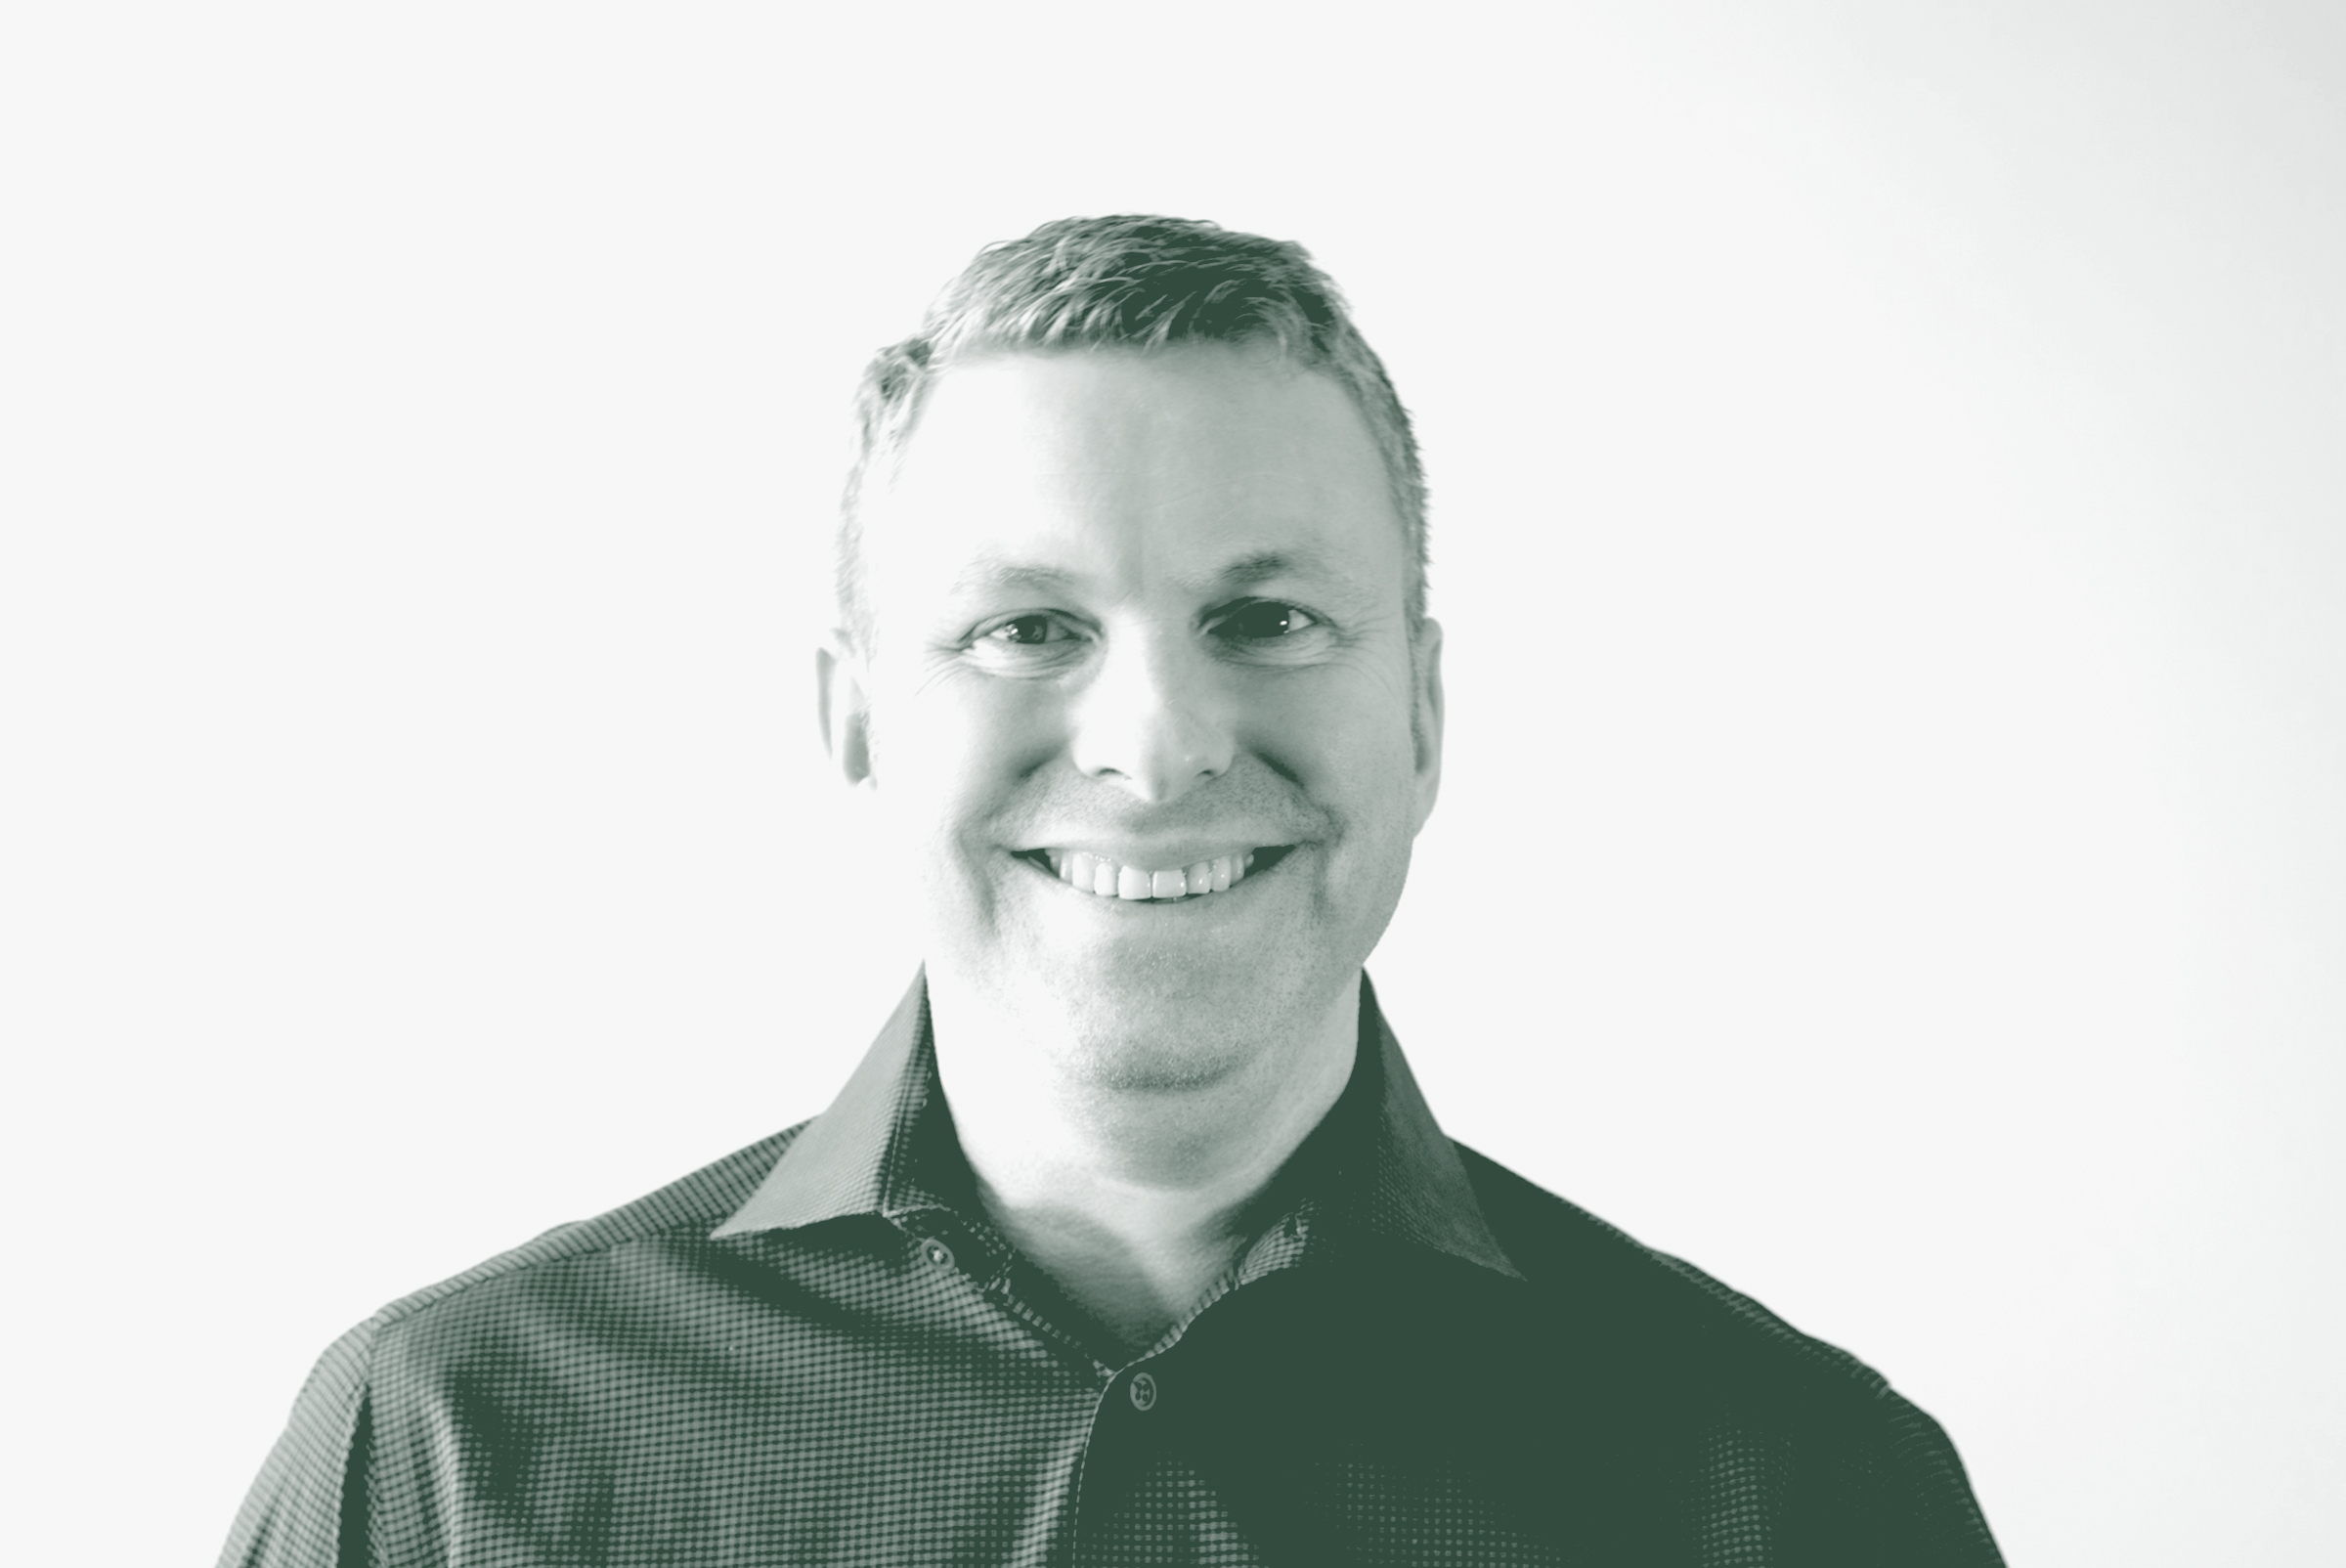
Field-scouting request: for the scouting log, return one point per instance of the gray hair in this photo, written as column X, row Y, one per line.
column 1130, row 282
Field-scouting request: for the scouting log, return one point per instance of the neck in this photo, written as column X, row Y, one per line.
column 1134, row 1201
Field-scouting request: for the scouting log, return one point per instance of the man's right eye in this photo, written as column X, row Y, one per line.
column 1024, row 631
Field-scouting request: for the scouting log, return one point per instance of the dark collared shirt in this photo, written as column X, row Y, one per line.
column 818, row 1351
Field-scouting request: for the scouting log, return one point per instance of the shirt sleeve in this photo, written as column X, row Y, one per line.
column 308, row 1508
column 1847, row 1478
column 1922, row 1505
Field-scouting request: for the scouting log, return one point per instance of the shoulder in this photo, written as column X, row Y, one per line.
column 1782, row 1422
column 682, row 1213
column 530, row 1299
column 1598, row 1272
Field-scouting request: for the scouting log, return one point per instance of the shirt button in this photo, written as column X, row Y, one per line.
column 1143, row 1391
column 937, row 1254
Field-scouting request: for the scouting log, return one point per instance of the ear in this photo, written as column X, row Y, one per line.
column 843, row 707
column 1425, row 717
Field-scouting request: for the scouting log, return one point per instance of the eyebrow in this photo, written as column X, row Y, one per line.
column 1263, row 565
column 997, row 572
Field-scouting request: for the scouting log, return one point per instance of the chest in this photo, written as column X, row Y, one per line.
column 1293, row 1422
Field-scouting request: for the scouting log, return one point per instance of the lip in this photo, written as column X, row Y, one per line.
column 1266, row 857
column 1164, row 852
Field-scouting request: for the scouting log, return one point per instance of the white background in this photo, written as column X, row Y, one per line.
column 1889, row 502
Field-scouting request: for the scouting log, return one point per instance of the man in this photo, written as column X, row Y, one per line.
column 1131, row 1241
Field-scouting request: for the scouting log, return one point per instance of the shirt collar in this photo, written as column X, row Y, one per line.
column 1388, row 1168
column 846, row 1161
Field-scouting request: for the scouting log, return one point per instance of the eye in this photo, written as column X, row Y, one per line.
column 1034, row 644
column 1026, row 632
column 1266, row 622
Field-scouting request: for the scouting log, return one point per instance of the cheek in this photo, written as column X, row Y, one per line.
column 946, row 757
column 1346, row 738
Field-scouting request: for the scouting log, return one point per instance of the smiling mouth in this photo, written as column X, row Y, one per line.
column 1104, row 878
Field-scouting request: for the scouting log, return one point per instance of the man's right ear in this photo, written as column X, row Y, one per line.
column 843, row 705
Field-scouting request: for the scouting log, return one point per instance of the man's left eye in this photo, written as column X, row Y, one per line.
column 1266, row 622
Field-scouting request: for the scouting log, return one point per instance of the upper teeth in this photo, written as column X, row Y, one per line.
column 1098, row 873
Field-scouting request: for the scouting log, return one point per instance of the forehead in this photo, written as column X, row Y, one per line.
column 1121, row 465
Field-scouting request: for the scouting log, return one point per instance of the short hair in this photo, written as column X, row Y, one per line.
column 1131, row 282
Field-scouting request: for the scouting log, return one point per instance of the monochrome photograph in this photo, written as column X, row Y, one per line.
column 1233, row 786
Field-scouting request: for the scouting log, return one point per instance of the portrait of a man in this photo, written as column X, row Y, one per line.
column 1132, row 1239
column 1488, row 784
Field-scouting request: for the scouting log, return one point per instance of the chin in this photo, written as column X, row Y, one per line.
column 1129, row 1006
column 1146, row 1021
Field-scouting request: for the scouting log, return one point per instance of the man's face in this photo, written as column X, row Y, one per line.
column 1144, row 610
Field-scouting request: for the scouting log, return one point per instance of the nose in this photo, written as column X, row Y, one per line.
column 1153, row 718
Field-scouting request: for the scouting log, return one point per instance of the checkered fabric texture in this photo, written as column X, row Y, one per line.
column 817, row 1351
